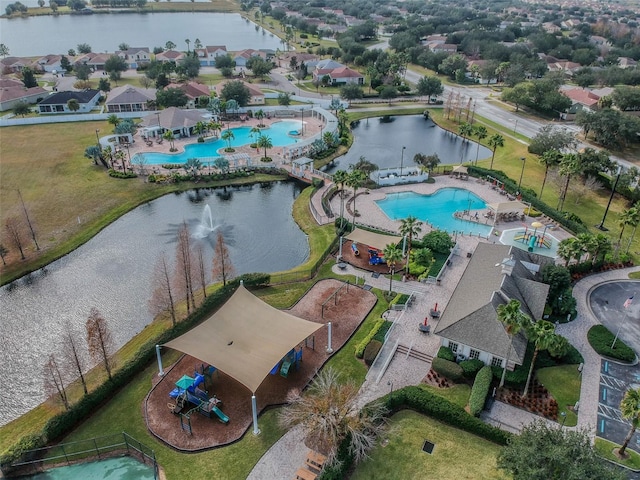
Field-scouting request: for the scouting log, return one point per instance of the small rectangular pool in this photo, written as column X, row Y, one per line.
column 437, row 209
column 119, row 468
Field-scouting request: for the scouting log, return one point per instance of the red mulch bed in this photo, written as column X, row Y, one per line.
column 362, row 261
column 538, row 401
column 345, row 317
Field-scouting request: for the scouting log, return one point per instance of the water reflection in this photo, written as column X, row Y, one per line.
column 381, row 142
column 113, row 273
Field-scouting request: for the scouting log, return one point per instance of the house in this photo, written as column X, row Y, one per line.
column 564, row 66
column 337, row 73
column 15, row 64
column 581, row 100
column 50, row 63
column 95, row 60
column 180, row 122
column 210, row 53
column 257, row 96
column 127, row 98
column 243, row 56
column 496, row 274
column 194, row 90
column 58, row 102
column 626, row 62
column 169, row 56
column 443, row 47
column 13, row 92
column 135, row 56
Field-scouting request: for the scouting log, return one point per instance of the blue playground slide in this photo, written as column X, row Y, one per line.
column 354, row 247
column 221, row 415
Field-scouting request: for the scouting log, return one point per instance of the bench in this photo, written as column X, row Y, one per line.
column 304, row 474
column 315, row 461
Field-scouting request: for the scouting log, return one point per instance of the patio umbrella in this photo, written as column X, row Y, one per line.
column 185, row 382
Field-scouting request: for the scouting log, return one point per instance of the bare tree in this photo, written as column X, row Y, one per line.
column 15, row 229
column 54, row 381
column 72, row 355
column 162, row 296
column 580, row 189
column 184, row 266
column 222, row 267
column 26, row 216
column 99, row 339
column 328, row 412
column 202, row 274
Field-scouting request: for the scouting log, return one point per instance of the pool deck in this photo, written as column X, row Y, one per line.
column 371, row 214
column 312, row 127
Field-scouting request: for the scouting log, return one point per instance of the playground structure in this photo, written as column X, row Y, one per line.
column 375, row 257
column 188, row 391
column 334, row 296
column 293, row 357
column 532, row 240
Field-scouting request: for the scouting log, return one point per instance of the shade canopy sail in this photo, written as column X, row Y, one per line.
column 507, row 206
column 375, row 240
column 245, row 338
column 185, row 382
column 460, row 169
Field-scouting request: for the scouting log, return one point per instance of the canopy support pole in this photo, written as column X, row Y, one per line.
column 160, row 370
column 340, row 250
column 254, row 409
column 329, row 349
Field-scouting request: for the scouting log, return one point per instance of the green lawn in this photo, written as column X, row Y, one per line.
column 563, row 383
column 457, row 455
column 605, row 448
column 458, row 394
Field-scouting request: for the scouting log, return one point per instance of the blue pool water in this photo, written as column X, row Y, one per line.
column 279, row 133
column 121, row 468
column 437, row 209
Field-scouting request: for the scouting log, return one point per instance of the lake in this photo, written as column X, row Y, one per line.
column 113, row 272
column 104, row 32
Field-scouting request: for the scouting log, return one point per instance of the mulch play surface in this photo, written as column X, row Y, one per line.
column 362, row 261
column 352, row 307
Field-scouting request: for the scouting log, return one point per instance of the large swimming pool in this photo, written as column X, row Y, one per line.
column 281, row 134
column 437, row 209
column 120, row 468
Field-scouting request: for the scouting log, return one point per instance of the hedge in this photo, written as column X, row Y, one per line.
column 382, row 331
column 62, row 423
column 446, row 353
column 471, row 367
column 448, row 369
column 480, row 390
column 365, row 341
column 601, row 339
column 371, row 352
column 428, row 404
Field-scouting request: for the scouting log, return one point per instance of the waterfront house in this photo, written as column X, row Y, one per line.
column 210, row 53
column 127, row 98
column 58, row 102
column 13, row 92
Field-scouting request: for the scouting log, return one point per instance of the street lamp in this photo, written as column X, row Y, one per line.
column 402, row 160
column 613, row 191
column 524, row 160
column 515, row 127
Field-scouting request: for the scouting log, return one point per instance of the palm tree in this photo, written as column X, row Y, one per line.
column 570, row 248
column 355, row 181
column 113, row 120
column 542, row 333
column 601, row 246
column 392, row 255
column 199, row 129
column 465, row 130
column 548, row 159
column 227, row 136
column 513, row 320
column 410, row 227
column 328, row 413
column 259, row 115
column 494, row 142
column 265, row 142
column 340, row 178
column 188, row 42
column 365, row 166
column 215, row 127
column 480, row 133
column 192, row 166
column 630, row 409
column 255, row 131
column 569, row 165
column 168, row 135
column 625, row 218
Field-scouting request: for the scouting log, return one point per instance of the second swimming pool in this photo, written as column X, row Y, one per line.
column 437, row 209
column 278, row 132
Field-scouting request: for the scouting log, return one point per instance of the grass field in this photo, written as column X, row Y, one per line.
column 563, row 383
column 457, row 455
column 605, row 449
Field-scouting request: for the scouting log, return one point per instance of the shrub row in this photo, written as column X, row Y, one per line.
column 480, row 390
column 569, row 221
column 446, row 353
column 429, row 404
column 62, row 423
column 118, row 174
column 382, row 331
column 365, row 341
column 601, row 339
column 401, row 299
column 371, row 352
column 470, row 368
column 448, row 369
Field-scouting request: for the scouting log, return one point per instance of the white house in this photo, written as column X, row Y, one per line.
column 58, row 102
